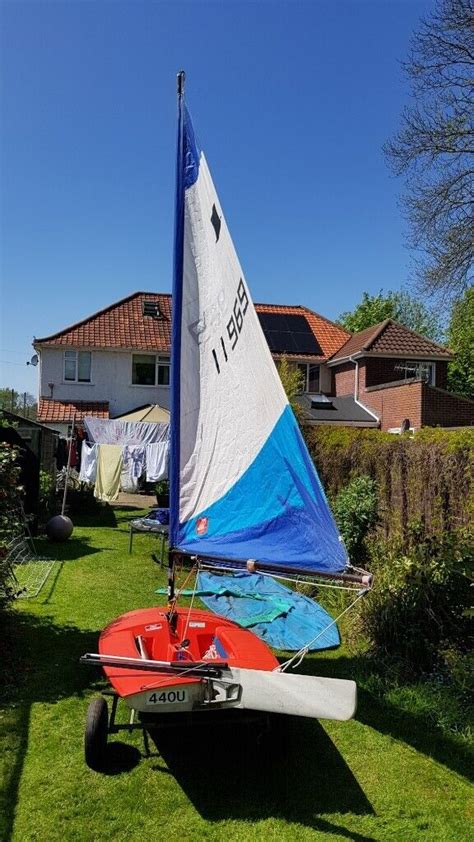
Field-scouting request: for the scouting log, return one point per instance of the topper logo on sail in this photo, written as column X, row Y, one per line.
column 202, row 525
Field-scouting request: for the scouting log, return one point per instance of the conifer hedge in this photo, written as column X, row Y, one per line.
column 423, row 479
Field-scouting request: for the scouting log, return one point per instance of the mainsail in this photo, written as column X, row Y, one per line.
column 243, row 485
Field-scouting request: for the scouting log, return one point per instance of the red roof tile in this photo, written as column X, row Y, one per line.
column 50, row 410
column 389, row 337
column 123, row 325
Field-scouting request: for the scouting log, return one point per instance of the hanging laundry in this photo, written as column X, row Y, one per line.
column 134, row 460
column 88, row 470
column 157, row 461
column 109, row 467
column 115, row 431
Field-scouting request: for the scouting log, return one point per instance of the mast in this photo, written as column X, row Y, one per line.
column 177, row 299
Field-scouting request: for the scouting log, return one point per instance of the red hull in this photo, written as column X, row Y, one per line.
column 147, row 633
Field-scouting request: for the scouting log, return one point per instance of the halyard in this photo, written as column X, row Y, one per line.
column 389, row 774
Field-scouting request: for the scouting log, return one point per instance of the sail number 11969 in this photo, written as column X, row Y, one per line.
column 167, row 697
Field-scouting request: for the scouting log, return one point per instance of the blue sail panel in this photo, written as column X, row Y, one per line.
column 276, row 512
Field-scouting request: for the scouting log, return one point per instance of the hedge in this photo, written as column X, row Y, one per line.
column 423, row 479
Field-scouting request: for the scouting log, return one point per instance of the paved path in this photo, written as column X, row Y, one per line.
column 137, row 501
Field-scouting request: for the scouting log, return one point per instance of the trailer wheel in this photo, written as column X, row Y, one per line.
column 96, row 732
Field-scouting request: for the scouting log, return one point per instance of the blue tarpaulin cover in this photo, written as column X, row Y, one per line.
column 279, row 616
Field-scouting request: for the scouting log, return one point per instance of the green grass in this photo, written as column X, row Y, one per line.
column 389, row 774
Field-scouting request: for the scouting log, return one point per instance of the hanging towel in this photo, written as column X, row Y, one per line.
column 157, row 461
column 133, row 467
column 88, row 470
column 109, row 467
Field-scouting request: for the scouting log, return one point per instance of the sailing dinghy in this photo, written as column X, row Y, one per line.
column 244, row 494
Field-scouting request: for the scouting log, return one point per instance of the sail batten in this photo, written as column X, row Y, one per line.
column 242, row 482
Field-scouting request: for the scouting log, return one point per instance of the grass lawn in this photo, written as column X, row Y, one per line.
column 388, row 774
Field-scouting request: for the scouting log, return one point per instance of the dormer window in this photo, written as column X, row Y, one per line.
column 77, row 366
column 152, row 309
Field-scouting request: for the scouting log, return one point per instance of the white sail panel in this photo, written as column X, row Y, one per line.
column 231, row 394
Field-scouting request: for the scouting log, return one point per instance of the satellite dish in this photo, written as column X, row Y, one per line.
column 34, row 360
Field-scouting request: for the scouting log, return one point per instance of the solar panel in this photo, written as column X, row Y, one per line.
column 288, row 333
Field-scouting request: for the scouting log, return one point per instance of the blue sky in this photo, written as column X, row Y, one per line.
column 291, row 101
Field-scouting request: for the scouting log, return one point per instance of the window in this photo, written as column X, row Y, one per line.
column 77, row 366
column 151, row 308
column 310, row 377
column 163, row 366
column 143, row 369
column 150, row 370
column 418, row 369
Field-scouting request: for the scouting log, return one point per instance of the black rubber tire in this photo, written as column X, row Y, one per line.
column 96, row 733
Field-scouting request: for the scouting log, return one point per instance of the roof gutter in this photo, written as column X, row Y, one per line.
column 355, row 360
column 348, row 359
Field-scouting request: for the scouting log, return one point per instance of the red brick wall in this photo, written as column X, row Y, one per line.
column 343, row 379
column 443, row 409
column 441, row 380
column 394, row 404
column 423, row 405
column 380, row 370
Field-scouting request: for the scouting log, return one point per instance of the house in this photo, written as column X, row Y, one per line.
column 400, row 377
column 118, row 360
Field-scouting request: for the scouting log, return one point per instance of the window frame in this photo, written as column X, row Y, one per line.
column 162, row 362
column 418, row 365
column 299, row 365
column 76, row 352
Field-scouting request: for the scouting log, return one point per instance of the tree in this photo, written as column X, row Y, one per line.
column 292, row 381
column 461, row 341
column 22, row 403
column 434, row 146
column 400, row 306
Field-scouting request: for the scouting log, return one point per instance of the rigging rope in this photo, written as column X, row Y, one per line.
column 296, row 659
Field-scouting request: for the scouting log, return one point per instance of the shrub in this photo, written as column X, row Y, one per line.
column 47, row 496
column 81, row 501
column 418, row 608
column 355, row 511
column 10, row 524
column 292, row 381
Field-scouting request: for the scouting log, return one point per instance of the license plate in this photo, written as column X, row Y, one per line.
column 167, row 697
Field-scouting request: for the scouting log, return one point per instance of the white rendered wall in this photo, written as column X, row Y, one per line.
column 111, row 380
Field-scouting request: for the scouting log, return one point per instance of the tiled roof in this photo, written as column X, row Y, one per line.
column 389, row 337
column 50, row 410
column 123, row 325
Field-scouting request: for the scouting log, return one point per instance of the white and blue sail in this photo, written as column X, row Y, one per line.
column 243, row 485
